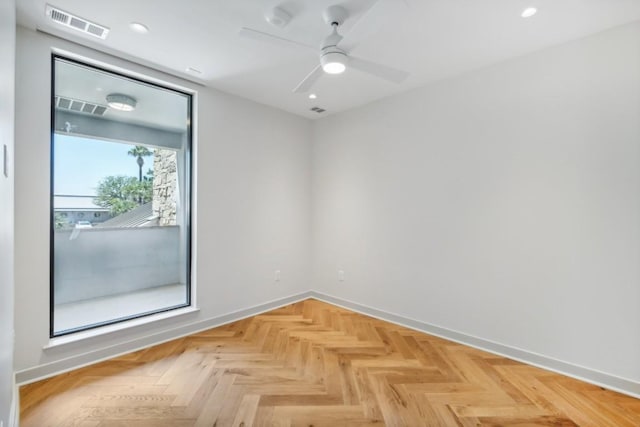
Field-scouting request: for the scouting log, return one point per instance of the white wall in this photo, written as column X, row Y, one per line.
column 7, row 74
column 503, row 204
column 251, row 205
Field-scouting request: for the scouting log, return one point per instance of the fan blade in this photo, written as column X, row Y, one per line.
column 270, row 38
column 378, row 70
column 308, row 81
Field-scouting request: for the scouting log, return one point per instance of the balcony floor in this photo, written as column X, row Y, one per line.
column 97, row 310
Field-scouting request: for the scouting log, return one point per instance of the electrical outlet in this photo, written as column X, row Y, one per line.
column 277, row 278
column 5, row 167
column 341, row 275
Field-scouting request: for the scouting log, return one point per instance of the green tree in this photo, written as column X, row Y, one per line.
column 121, row 193
column 140, row 151
column 59, row 221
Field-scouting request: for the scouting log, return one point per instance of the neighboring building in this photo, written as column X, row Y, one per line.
column 142, row 216
column 162, row 210
column 71, row 209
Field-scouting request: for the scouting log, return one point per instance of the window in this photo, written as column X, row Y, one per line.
column 120, row 190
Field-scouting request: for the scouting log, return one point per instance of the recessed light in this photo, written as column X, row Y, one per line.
column 529, row 12
column 312, row 96
column 139, row 28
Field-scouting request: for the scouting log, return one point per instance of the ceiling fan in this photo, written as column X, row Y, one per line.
column 333, row 59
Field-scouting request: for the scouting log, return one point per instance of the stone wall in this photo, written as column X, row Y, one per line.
column 165, row 175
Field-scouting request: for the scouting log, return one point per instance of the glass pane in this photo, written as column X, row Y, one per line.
column 120, row 190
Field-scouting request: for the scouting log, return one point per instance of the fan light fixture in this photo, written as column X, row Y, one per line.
column 121, row 102
column 334, row 62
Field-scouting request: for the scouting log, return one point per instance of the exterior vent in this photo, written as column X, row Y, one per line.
column 96, row 30
column 318, row 110
column 58, row 16
column 79, row 106
column 77, row 23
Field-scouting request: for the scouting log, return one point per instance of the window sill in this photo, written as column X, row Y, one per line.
column 108, row 329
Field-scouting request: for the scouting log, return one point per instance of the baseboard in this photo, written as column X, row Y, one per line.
column 612, row 382
column 68, row 364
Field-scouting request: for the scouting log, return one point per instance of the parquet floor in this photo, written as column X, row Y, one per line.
column 314, row 364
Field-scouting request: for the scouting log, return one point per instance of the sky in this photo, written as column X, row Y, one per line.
column 80, row 163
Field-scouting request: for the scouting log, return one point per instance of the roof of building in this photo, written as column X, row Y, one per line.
column 142, row 216
column 64, row 202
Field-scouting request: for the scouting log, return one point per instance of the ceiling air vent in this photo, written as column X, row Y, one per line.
column 77, row 23
column 79, row 106
column 318, row 110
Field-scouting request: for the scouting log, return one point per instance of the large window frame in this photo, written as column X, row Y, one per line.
column 188, row 186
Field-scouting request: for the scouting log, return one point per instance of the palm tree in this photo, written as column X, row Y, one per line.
column 140, row 151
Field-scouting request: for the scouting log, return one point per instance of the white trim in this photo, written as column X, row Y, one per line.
column 602, row 379
column 126, row 69
column 89, row 358
column 116, row 327
column 15, row 406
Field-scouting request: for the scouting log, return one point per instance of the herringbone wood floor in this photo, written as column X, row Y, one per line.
column 314, row 364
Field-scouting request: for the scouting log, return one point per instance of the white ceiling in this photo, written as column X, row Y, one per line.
column 431, row 39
